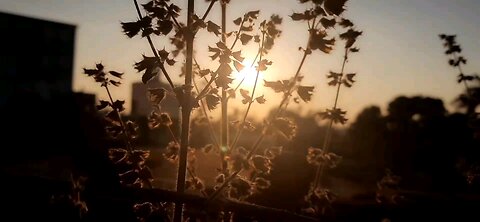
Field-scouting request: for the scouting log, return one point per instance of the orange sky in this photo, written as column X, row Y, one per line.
column 400, row 51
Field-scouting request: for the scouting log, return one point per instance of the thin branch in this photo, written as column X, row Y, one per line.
column 154, row 50
column 210, row 125
column 207, row 87
column 224, row 102
column 268, row 125
column 122, row 124
column 251, row 65
column 186, row 111
column 460, row 69
column 252, row 96
column 326, row 142
column 237, row 36
column 210, row 6
column 174, row 19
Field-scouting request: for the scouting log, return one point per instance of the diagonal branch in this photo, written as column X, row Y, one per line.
column 154, row 50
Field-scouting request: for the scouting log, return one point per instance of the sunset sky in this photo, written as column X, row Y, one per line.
column 401, row 53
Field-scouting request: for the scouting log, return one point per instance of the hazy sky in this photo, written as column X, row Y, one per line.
column 400, row 50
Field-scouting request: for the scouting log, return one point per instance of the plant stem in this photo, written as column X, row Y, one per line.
column 224, row 101
column 267, row 126
column 460, row 69
column 122, row 124
column 186, row 111
column 208, row 9
column 190, row 172
column 210, row 126
column 242, row 125
column 237, row 36
column 154, row 50
column 251, row 65
column 326, row 141
column 229, row 179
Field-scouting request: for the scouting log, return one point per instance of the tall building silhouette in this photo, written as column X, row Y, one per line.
column 36, row 57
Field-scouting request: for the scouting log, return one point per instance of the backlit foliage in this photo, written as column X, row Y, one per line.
column 244, row 170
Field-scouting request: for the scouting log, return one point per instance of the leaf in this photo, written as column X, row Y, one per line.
column 223, row 80
column 256, row 38
column 212, row 101
column 90, row 72
column 216, row 52
column 116, row 74
column 165, row 119
column 163, row 54
column 465, row 78
column 348, row 81
column 350, row 36
column 231, row 93
column 132, row 129
column 460, row 59
column 118, row 105
column 153, row 120
column 204, row 72
column 145, row 174
column 261, row 99
column 261, row 164
column 277, row 86
column 207, row 148
column 117, row 155
column 128, row 177
column 246, row 28
column 336, row 115
column 238, row 66
column 285, row 127
column 335, row 7
column 115, row 83
column 151, row 67
column 276, row 19
column 212, row 27
column 298, row 16
column 346, row 23
column 273, row 152
column 237, row 21
column 131, row 29
column 319, row 41
column 262, row 183
column 328, row 23
column 245, row 38
column 99, row 66
column 238, row 56
column 354, row 50
column 103, row 105
column 224, row 69
column 198, row 23
column 164, row 26
column 262, row 65
column 246, row 97
column 253, row 14
column 220, row 179
column 156, row 95
column 224, row 59
column 335, row 78
column 171, row 62
column 222, row 46
column 305, row 92
column 112, row 116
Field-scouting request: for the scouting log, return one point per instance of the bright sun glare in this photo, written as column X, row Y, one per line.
column 249, row 73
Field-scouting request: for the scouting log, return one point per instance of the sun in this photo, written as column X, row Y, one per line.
column 247, row 75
